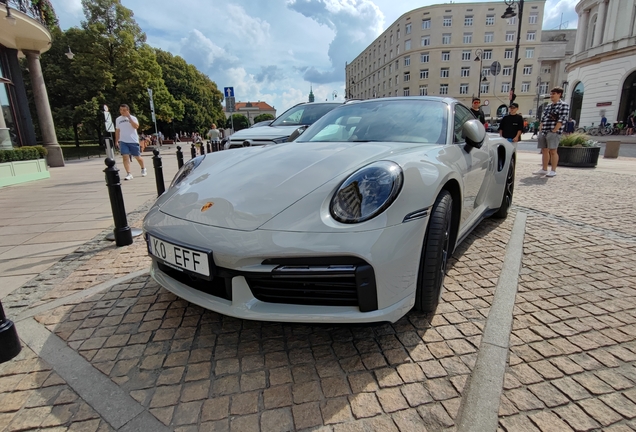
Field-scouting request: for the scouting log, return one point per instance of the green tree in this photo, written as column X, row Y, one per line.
column 263, row 117
column 240, row 122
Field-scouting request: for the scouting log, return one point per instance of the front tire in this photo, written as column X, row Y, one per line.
column 435, row 254
column 509, row 188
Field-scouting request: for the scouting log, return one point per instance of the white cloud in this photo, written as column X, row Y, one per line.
column 248, row 29
column 560, row 10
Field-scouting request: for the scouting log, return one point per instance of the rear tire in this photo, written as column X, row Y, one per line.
column 435, row 254
column 509, row 188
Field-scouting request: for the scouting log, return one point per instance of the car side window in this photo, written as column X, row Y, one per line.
column 462, row 115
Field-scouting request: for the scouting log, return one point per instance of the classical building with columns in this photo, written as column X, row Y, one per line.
column 602, row 71
column 23, row 33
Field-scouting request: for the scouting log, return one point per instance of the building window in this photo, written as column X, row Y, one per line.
column 532, row 19
column 490, row 20
column 397, row 50
column 463, row 89
column 527, row 70
column 505, row 87
column 423, row 90
column 424, row 57
column 397, row 64
column 448, row 21
column 407, row 76
column 544, row 88
column 512, row 21
column 391, row 40
column 506, row 70
column 444, row 73
column 489, row 37
column 384, row 85
column 390, row 67
column 531, row 35
column 390, row 82
column 468, row 20
column 398, row 34
column 546, row 70
column 426, row 24
column 384, row 72
column 485, row 71
column 426, row 41
column 407, row 91
column 407, row 45
column 510, row 36
column 390, row 54
column 529, row 52
column 407, row 28
column 446, row 39
column 397, row 81
column 466, row 55
column 423, row 73
column 465, row 71
column 468, row 38
column 485, row 87
column 508, row 54
column 407, row 60
column 443, row 89
column 487, row 55
column 445, row 55
column 525, row 87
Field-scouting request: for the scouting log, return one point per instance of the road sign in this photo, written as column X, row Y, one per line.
column 486, row 103
column 230, row 104
column 495, row 68
column 108, row 121
column 228, row 91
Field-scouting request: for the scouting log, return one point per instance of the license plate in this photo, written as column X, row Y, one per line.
column 180, row 257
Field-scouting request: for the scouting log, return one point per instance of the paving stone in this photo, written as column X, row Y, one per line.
column 276, row 397
column 440, row 389
column 364, row 405
column 244, row 403
column 620, row 404
column 600, row 412
column 336, row 410
column 592, row 383
column 548, row 394
column 362, row 382
column 307, row 415
column 576, row 418
column 518, row 423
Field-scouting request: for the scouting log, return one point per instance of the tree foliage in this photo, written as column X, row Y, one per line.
column 263, row 117
column 240, row 122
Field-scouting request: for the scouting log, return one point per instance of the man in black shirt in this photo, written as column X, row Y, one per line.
column 477, row 112
column 511, row 126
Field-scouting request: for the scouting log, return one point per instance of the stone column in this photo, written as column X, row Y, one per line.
column 600, row 24
column 45, row 118
column 581, row 33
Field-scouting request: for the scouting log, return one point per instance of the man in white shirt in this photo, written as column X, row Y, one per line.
column 127, row 140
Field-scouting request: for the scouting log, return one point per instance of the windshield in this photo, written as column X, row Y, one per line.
column 393, row 120
column 305, row 114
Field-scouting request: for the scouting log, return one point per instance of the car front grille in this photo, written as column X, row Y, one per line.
column 319, row 285
column 218, row 286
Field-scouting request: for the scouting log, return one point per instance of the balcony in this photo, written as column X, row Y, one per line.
column 24, row 25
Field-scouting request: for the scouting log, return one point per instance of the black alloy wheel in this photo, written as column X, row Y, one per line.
column 509, row 188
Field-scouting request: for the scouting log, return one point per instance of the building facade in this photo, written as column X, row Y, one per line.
column 23, row 33
column 557, row 46
column 252, row 109
column 448, row 50
column 602, row 71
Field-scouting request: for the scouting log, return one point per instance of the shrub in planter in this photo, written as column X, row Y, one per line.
column 22, row 153
column 578, row 150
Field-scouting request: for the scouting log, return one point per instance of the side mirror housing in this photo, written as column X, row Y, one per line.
column 474, row 132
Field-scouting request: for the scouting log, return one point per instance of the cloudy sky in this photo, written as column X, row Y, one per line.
column 273, row 50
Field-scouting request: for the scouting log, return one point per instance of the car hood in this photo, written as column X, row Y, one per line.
column 263, row 133
column 244, row 189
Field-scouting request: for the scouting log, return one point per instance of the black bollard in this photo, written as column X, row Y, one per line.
column 9, row 340
column 209, row 147
column 202, row 147
column 179, row 157
column 193, row 151
column 122, row 232
column 156, row 162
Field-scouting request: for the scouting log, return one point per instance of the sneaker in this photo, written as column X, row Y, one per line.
column 144, row 173
column 541, row 172
column 551, row 174
column 128, row 177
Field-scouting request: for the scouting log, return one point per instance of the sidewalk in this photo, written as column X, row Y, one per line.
column 105, row 348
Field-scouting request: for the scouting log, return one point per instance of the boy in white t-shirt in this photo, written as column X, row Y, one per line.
column 127, row 140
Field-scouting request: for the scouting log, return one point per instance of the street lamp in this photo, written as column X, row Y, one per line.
column 334, row 95
column 479, row 56
column 538, row 96
column 509, row 13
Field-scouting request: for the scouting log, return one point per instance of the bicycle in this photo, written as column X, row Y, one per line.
column 590, row 130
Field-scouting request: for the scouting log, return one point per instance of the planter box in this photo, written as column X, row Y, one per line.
column 582, row 157
column 23, row 171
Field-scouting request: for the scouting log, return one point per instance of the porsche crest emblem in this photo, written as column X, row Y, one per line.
column 207, row 206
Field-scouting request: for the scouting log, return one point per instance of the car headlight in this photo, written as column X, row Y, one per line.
column 280, row 140
column 186, row 170
column 367, row 192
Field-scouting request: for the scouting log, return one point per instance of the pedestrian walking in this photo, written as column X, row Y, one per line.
column 215, row 137
column 631, row 124
column 511, row 126
column 553, row 119
column 477, row 112
column 127, row 140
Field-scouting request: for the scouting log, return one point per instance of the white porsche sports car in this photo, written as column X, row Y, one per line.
column 352, row 222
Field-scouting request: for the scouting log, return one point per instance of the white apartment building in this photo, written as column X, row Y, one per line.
column 447, row 50
column 602, row 71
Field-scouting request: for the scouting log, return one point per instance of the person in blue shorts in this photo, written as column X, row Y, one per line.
column 127, row 140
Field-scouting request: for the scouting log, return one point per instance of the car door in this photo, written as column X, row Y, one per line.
column 475, row 165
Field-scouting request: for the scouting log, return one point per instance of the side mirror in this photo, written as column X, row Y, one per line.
column 474, row 132
column 295, row 134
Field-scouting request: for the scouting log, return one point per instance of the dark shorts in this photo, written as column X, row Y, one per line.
column 129, row 148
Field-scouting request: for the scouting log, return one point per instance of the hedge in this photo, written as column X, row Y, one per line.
column 22, row 153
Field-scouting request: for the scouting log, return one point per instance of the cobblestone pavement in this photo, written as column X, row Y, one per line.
column 572, row 360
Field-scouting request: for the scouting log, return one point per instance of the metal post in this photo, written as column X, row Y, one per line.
column 156, row 163
column 9, row 340
column 514, row 68
column 202, row 148
column 209, row 147
column 179, row 157
column 122, row 232
column 193, row 151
